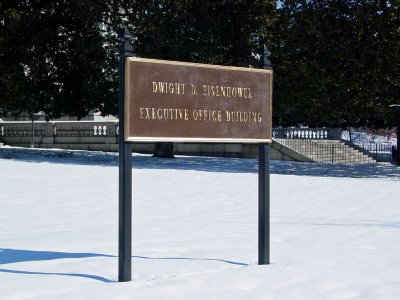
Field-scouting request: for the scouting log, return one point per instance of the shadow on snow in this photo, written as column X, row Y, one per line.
column 200, row 163
column 10, row 256
column 191, row 258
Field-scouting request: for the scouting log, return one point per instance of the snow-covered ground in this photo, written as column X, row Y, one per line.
column 335, row 230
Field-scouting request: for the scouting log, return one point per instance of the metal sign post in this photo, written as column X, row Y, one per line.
column 263, row 205
column 125, row 169
column 264, row 187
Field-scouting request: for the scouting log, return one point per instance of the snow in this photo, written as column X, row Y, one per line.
column 390, row 138
column 335, row 229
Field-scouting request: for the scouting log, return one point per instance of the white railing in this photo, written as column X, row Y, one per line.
column 59, row 129
column 307, row 133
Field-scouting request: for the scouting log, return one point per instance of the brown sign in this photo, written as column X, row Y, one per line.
column 188, row 102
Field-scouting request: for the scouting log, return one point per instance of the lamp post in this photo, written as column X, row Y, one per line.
column 396, row 109
column 35, row 117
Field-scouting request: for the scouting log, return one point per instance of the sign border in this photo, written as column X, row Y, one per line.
column 188, row 139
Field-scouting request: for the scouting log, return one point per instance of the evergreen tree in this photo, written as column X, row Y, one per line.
column 217, row 32
column 336, row 62
column 56, row 56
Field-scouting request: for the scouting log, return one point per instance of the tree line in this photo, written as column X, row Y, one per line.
column 336, row 63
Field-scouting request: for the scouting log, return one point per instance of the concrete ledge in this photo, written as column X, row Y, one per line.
column 288, row 154
column 142, row 148
column 212, row 148
column 278, row 151
column 234, row 148
column 187, row 148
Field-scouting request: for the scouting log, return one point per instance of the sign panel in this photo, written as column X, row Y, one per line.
column 167, row 101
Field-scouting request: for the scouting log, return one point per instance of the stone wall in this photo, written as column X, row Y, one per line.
column 82, row 135
column 103, row 136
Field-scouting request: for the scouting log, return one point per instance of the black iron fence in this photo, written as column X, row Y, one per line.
column 381, row 147
column 327, row 151
column 381, row 152
column 325, row 145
